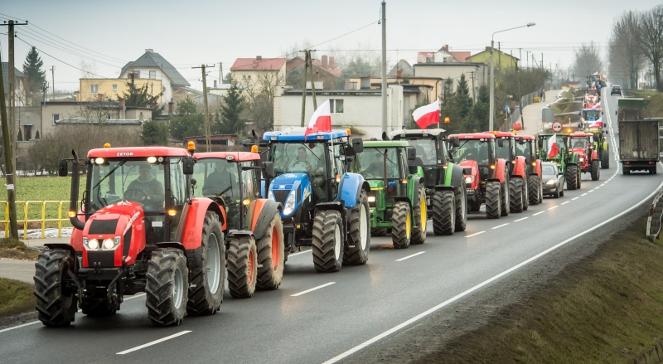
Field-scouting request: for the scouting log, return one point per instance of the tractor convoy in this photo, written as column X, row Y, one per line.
column 180, row 225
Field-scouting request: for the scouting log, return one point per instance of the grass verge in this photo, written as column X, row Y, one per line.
column 15, row 297
column 16, row 250
column 606, row 308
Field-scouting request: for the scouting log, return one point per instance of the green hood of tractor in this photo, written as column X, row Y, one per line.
column 375, row 184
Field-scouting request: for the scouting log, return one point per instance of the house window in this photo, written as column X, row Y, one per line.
column 27, row 132
column 94, row 88
column 153, row 74
column 56, row 117
column 115, row 88
column 336, row 106
column 134, row 74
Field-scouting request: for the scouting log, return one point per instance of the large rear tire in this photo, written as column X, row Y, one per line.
column 533, row 185
column 166, row 288
column 420, row 217
column 242, row 266
column 571, row 176
column 401, row 225
column 516, row 195
column 493, row 199
column 56, row 296
column 506, row 198
column 605, row 158
column 207, row 269
column 525, row 194
column 461, row 209
column 358, row 242
column 595, row 172
column 271, row 256
column 327, row 242
column 444, row 213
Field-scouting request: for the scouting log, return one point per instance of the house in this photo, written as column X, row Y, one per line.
column 442, row 55
column 98, row 89
column 402, row 69
column 475, row 73
column 19, row 90
column 502, row 60
column 151, row 65
column 325, row 72
column 255, row 74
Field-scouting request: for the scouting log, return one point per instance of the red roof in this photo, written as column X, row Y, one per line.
column 137, row 152
column 235, row 156
column 460, row 56
column 472, row 136
column 258, row 64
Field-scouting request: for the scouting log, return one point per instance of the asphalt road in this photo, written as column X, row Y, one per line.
column 351, row 309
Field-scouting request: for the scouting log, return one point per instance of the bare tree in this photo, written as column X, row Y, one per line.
column 651, row 40
column 259, row 94
column 587, row 60
column 625, row 51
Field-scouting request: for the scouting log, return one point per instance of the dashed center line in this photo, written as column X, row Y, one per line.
column 584, row 194
column 312, row 289
column 575, row 198
column 499, row 226
column 521, row 219
column 136, row 348
column 410, row 256
column 538, row 213
column 553, row 207
column 475, row 234
column 566, row 202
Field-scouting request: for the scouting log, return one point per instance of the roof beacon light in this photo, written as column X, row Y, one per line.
column 254, row 149
column 191, row 146
column 107, row 145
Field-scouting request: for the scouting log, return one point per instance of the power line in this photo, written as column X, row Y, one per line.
column 59, row 60
column 347, row 33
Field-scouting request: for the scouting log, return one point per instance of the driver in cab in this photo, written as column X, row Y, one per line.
column 301, row 163
column 145, row 188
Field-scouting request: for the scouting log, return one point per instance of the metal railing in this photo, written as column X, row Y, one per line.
column 44, row 214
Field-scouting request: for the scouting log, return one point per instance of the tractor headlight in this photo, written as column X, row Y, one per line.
column 551, row 182
column 110, row 244
column 468, row 179
column 289, row 205
column 91, row 244
column 371, row 199
column 581, row 159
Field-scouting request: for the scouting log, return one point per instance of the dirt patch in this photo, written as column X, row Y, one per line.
column 15, row 297
column 15, row 249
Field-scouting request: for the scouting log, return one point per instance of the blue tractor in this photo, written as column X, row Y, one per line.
column 324, row 206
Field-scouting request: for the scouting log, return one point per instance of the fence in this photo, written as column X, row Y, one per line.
column 37, row 214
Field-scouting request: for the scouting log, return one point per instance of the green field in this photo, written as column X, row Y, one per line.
column 15, row 297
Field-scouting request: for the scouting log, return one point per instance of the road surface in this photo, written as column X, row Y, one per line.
column 320, row 317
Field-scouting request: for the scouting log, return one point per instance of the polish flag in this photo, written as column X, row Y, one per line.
column 553, row 149
column 427, row 115
column 320, row 120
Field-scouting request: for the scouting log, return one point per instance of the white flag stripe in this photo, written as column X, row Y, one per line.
column 426, row 109
column 323, row 110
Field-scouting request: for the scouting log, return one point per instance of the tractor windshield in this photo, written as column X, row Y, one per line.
column 560, row 140
column 425, row 150
column 579, row 143
column 473, row 149
column 591, row 115
column 298, row 157
column 219, row 177
column 127, row 180
column 504, row 151
column 378, row 163
column 523, row 149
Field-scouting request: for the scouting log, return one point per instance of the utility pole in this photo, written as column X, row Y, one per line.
column 11, row 73
column 491, row 116
column 304, row 86
column 220, row 73
column 542, row 66
column 383, row 22
column 9, row 164
column 53, row 80
column 208, row 130
column 312, row 72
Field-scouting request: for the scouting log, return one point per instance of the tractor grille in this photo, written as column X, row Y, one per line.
column 101, row 259
column 280, row 195
column 102, row 227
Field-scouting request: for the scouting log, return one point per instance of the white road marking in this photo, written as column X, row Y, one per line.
column 136, row 348
column 312, row 289
column 584, row 194
column 488, row 281
column 553, row 207
column 566, row 202
column 538, row 213
column 475, row 234
column 499, row 226
column 575, row 198
column 521, row 219
column 299, row 253
column 409, row 256
column 135, row 296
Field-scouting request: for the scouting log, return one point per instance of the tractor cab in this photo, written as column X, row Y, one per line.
column 431, row 149
column 526, row 147
column 478, row 147
column 505, row 145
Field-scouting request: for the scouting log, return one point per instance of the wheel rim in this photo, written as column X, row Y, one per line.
column 276, row 248
column 363, row 227
column 408, row 225
column 213, row 263
column 424, row 214
column 251, row 267
column 337, row 242
column 178, row 288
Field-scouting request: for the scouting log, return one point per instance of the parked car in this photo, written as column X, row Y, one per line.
column 616, row 90
column 553, row 180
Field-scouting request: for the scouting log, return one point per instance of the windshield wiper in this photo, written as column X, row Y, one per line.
column 108, row 174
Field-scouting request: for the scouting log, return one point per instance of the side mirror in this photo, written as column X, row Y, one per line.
column 411, row 155
column 385, row 136
column 357, row 145
column 62, row 169
column 187, row 165
column 455, row 142
column 268, row 169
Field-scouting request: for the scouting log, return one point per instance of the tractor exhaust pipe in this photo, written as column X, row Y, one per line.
column 73, row 208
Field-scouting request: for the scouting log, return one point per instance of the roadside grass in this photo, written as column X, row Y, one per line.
column 606, row 308
column 15, row 297
column 15, row 249
column 655, row 106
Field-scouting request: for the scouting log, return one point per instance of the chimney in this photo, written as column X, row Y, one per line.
column 332, row 64
column 325, row 61
column 258, row 58
column 214, row 83
column 445, row 48
column 149, row 50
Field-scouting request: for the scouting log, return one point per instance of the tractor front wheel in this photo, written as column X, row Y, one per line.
column 605, row 159
column 493, row 199
column 444, row 213
column 506, row 198
column 516, row 195
column 271, row 255
column 242, row 266
column 358, row 241
column 166, row 288
column 207, row 269
column 420, row 217
column 327, row 242
column 571, row 176
column 55, row 293
column 596, row 172
column 401, row 225
column 533, row 187
column 461, row 209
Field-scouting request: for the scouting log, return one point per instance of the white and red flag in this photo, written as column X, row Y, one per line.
column 553, row 148
column 427, row 115
column 320, row 120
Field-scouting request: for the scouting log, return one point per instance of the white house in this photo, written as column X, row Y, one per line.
column 476, row 74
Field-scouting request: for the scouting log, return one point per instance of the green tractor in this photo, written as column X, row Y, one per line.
column 397, row 197
column 566, row 159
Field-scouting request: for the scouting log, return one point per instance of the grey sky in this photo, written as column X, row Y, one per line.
column 192, row 32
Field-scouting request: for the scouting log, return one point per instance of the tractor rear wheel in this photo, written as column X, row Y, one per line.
column 401, row 225
column 56, row 297
column 571, row 177
column 506, row 198
column 327, row 242
column 596, row 172
column 420, row 217
column 525, row 194
column 166, row 287
column 242, row 266
column 358, row 241
column 207, row 269
column 605, row 159
column 516, row 195
column 461, row 209
column 444, row 212
column 271, row 255
column 493, row 199
column 533, row 186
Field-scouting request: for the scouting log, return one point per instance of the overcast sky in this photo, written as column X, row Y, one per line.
column 105, row 35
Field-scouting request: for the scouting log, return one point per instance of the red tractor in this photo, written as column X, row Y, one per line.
column 505, row 148
column 486, row 176
column 526, row 147
column 582, row 143
column 232, row 179
column 139, row 229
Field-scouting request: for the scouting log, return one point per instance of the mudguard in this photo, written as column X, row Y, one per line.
column 500, row 170
column 61, row 246
column 350, row 188
column 520, row 167
column 190, row 231
column 476, row 177
column 76, row 239
column 537, row 167
column 261, row 213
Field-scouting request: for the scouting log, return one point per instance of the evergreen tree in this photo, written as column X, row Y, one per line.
column 480, row 111
column 187, row 122
column 462, row 99
column 140, row 96
column 36, row 77
column 233, row 104
column 154, row 133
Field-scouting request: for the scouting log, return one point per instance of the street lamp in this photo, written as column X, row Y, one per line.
column 491, row 118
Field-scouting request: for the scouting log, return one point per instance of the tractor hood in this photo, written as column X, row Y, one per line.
column 473, row 178
column 290, row 190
